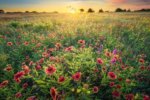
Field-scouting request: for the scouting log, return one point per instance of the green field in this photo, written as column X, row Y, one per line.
column 49, row 56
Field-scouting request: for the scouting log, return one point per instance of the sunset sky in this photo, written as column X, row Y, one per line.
column 65, row 5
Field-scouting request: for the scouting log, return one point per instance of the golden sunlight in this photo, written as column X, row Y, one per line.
column 71, row 10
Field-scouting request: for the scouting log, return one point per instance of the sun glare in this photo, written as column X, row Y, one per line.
column 73, row 11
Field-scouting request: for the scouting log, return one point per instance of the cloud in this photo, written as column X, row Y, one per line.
column 117, row 1
column 145, row 2
column 130, row 1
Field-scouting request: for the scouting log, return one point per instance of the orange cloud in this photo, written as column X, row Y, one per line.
column 117, row 1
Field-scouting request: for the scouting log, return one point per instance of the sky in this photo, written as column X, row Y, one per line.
column 71, row 5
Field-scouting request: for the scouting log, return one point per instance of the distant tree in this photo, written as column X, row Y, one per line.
column 100, row 11
column 18, row 12
column 107, row 11
column 55, row 12
column 124, row 10
column 81, row 10
column 120, row 10
column 90, row 10
column 2, row 11
column 143, row 10
column 8, row 12
column 128, row 10
column 27, row 12
column 34, row 12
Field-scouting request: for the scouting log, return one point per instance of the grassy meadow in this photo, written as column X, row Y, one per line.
column 103, row 56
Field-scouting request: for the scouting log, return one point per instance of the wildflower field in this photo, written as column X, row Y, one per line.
column 75, row 56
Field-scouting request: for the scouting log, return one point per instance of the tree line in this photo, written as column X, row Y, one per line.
column 90, row 10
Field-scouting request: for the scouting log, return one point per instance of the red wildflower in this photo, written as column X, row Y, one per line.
column 58, row 45
column 146, row 97
column 118, row 86
column 148, row 68
column 116, row 57
column 26, row 43
column 45, row 54
column 41, row 60
column 108, row 54
column 18, row 95
column 30, row 63
column 112, row 75
column 61, row 79
column 55, row 59
column 120, row 79
column 4, row 83
column 111, row 84
column 123, row 67
column 113, row 60
column 44, row 48
column 83, row 46
column 142, row 67
column 53, row 93
column 115, row 93
column 95, row 89
column 50, row 70
column 32, row 98
column 141, row 60
column 38, row 67
column 38, row 45
column 8, row 68
column 99, row 61
column 129, row 97
column 3, row 37
column 52, row 58
column 17, row 80
column 104, row 69
column 9, row 43
column 26, row 69
column 18, row 75
column 25, row 85
column 68, row 49
column 76, row 76
column 120, row 60
column 81, row 42
column 51, row 49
